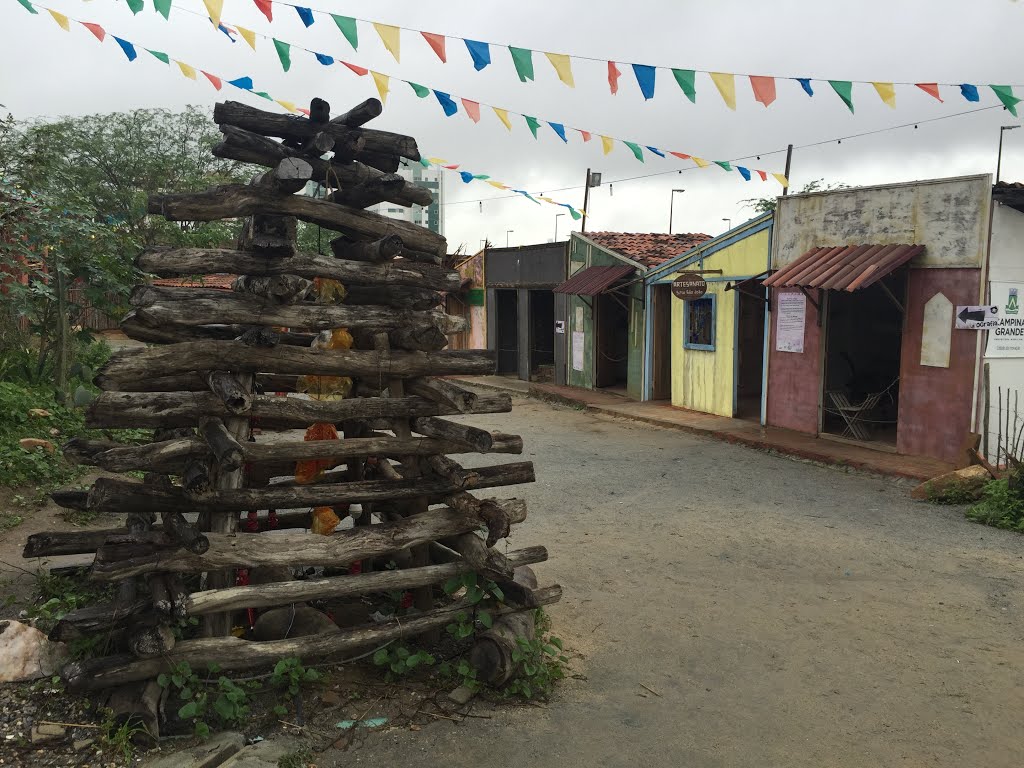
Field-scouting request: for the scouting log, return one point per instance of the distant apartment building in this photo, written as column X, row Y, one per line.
column 426, row 216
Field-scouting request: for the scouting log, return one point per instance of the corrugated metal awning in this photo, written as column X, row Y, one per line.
column 594, row 280
column 844, row 267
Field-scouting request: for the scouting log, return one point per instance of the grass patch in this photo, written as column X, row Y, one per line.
column 999, row 507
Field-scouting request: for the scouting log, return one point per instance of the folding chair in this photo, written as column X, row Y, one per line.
column 855, row 414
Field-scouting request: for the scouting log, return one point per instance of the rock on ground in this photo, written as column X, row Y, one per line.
column 281, row 623
column 966, row 483
column 208, row 754
column 26, row 653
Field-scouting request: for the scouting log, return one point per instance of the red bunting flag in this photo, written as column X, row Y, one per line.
column 436, row 42
column 356, row 68
column 472, row 109
column 212, row 78
column 932, row 89
column 96, row 29
column 680, row 155
column 265, row 8
column 764, row 88
column 613, row 77
column 450, row 167
column 304, row 111
column 763, row 175
column 585, row 135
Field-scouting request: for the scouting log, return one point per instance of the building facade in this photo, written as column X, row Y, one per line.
column 430, row 216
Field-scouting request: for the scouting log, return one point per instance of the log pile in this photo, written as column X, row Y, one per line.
column 347, row 346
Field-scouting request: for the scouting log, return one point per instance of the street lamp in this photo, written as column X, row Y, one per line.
column 728, row 224
column 557, row 217
column 671, row 203
column 999, row 158
column 507, row 233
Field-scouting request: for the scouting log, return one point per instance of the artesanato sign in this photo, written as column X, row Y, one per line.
column 1006, row 337
column 689, row 286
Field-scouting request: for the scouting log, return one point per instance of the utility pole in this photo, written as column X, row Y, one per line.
column 789, row 162
column 586, row 203
column 999, row 157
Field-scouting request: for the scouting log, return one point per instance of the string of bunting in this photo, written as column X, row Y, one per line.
column 763, row 87
column 449, row 104
column 245, row 83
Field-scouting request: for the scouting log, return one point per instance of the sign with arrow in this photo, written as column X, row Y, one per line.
column 975, row 318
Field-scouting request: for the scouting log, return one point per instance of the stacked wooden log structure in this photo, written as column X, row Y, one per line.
column 216, row 366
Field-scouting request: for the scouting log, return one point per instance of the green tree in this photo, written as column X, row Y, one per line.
column 767, row 204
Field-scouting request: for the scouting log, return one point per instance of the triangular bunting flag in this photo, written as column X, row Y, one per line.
column 420, row 90
column 1005, row 94
column 614, row 73
column 136, row 6
column 28, row 6
column 497, row 184
column 726, row 85
column 449, row 106
column 844, row 88
column 214, row 80
column 267, row 9
column 287, row 105
column 479, row 52
column 382, row 82
column 264, row 95
column 436, row 43
column 324, row 59
column 248, row 35
column 763, row 88
column 523, row 59
column 700, row 161
column 744, row 172
column 304, row 111
column 970, row 92
column 244, row 83
column 559, row 130
column 680, row 155
column 186, row 70
column 284, row 53
column 685, row 78
column 656, row 151
column 585, row 135
column 503, row 116
column 763, row 175
column 781, row 179
column 305, row 14
column 533, row 123
column 61, row 20
column 723, row 164
column 563, row 66
column 635, row 149
column 805, row 83
column 391, row 37
column 887, row 93
column 472, row 109
column 606, row 144
column 96, row 29
column 932, row 89
column 128, row 48
column 645, row 75
column 466, row 176
column 361, row 71
column 347, row 25
column 214, row 9
column 160, row 55
column 163, row 7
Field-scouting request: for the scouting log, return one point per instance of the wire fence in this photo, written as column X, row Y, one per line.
column 1003, row 426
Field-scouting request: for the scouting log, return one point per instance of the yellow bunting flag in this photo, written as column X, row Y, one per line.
column 186, row 70
column 61, row 19
column 887, row 93
column 701, row 162
column 214, row 8
column 503, row 116
column 726, row 85
column 545, row 199
column 381, row 81
column 287, row 105
column 390, row 36
column 497, row 184
column 248, row 35
column 563, row 67
column 607, row 144
column 781, row 179
column 436, row 160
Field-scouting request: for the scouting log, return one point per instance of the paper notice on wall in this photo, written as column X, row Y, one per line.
column 790, row 317
column 577, row 350
column 1006, row 338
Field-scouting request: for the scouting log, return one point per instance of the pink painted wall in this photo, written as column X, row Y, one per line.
column 935, row 403
column 794, row 379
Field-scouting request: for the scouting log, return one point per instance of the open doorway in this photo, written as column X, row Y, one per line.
column 863, row 338
column 749, row 354
column 506, row 340
column 661, row 342
column 612, row 343
column 542, row 336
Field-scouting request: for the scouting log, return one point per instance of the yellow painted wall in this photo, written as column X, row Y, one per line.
column 704, row 380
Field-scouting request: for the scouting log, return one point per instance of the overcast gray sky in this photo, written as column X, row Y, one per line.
column 45, row 71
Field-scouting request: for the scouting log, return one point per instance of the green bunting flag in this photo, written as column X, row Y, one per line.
column 637, row 152
column 1005, row 94
column 723, row 164
column 534, row 124
column 29, row 7
column 347, row 25
column 845, row 90
column 523, row 59
column 284, row 53
column 163, row 7
column 161, row 55
column 420, row 90
column 136, row 5
column 685, row 78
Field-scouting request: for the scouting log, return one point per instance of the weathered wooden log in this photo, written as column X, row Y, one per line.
column 149, row 642
column 135, row 365
column 478, row 439
column 456, row 474
column 258, row 549
column 184, row 533
column 234, row 653
column 401, row 296
column 487, row 511
column 292, row 173
column 444, row 391
column 179, row 596
column 299, row 129
column 237, row 200
column 161, row 598
column 110, row 495
column 113, row 410
column 479, row 556
column 493, row 655
column 230, row 391
column 193, row 261
column 376, row 251
column 173, row 334
column 249, row 147
column 420, row 257
column 280, row 289
column 159, row 306
column 271, row 236
column 135, row 704
column 374, row 191
column 281, row 593
column 111, row 616
column 360, row 114
column 319, row 111
column 195, row 478
column 318, row 144
column 70, row 498
column 226, row 450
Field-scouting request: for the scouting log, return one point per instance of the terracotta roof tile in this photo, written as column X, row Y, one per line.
column 648, row 248
column 222, row 282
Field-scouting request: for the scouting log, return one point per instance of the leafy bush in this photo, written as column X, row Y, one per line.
column 38, row 466
column 999, row 507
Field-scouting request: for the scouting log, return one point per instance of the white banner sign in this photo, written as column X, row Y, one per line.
column 973, row 318
column 1006, row 338
column 790, row 317
column 577, row 350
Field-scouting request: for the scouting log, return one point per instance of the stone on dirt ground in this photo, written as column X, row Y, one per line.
column 966, row 483
column 208, row 754
column 26, row 653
